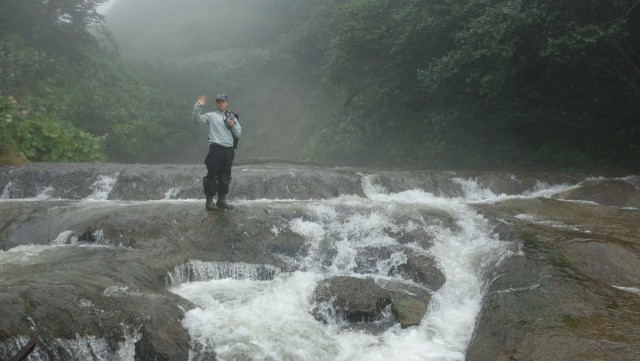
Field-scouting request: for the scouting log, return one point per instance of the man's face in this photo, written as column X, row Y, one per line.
column 222, row 104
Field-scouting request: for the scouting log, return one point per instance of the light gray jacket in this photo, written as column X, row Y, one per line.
column 218, row 131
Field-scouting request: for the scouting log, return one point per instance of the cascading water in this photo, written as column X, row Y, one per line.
column 108, row 245
column 102, row 187
column 239, row 319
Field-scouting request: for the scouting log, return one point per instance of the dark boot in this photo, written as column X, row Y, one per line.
column 222, row 202
column 209, row 205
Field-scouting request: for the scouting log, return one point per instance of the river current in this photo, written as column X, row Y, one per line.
column 240, row 315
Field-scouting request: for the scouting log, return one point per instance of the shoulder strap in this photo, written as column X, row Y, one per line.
column 235, row 139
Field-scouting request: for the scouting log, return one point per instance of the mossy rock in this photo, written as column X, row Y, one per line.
column 408, row 310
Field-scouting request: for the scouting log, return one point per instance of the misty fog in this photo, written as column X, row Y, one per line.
column 357, row 82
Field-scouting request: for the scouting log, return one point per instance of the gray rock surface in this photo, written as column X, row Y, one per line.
column 258, row 181
column 610, row 192
column 356, row 299
column 569, row 296
column 363, row 300
column 119, row 276
column 408, row 310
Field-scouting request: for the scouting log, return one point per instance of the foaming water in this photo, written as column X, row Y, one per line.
column 80, row 348
column 36, row 253
column 629, row 289
column 44, row 193
column 476, row 193
column 257, row 312
column 257, row 320
column 239, row 318
column 102, row 187
column 172, row 193
column 194, row 271
column 6, row 191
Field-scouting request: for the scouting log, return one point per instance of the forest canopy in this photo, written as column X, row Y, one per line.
column 527, row 84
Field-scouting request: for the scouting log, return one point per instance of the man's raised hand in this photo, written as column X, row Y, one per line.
column 202, row 101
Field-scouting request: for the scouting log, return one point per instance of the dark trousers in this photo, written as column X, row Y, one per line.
column 218, row 162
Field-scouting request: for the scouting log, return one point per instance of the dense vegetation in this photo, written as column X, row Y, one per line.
column 417, row 83
column 65, row 95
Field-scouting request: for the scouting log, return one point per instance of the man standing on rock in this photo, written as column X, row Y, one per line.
column 224, row 131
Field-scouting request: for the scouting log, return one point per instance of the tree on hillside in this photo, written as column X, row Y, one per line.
column 58, row 26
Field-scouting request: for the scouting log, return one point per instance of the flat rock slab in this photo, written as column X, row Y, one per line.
column 609, row 192
column 572, row 293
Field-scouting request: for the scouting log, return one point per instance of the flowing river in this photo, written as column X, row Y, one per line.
column 113, row 265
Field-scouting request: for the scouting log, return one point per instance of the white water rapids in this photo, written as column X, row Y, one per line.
column 249, row 312
column 249, row 319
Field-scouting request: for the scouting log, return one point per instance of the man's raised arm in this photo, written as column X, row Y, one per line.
column 197, row 110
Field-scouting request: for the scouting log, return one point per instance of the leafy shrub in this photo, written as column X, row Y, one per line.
column 39, row 137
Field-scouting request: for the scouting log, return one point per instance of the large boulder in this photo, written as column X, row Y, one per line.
column 363, row 300
column 422, row 270
column 356, row 299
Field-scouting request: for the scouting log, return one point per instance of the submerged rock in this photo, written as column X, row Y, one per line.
column 356, row 299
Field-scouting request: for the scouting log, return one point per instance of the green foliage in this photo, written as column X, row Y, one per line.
column 87, row 95
column 55, row 27
column 38, row 137
column 517, row 83
column 421, row 83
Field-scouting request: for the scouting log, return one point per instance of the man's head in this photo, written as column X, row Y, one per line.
column 221, row 102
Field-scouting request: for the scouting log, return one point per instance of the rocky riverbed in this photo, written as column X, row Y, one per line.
column 122, row 262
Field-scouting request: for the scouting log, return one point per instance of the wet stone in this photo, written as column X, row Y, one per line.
column 610, row 192
column 355, row 299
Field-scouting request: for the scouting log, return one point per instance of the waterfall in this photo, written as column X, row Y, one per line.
column 270, row 319
column 197, row 271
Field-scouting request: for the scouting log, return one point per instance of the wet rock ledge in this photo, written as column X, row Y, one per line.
column 573, row 292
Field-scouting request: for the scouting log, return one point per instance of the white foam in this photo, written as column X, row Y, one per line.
column 79, row 348
column 6, row 192
column 629, row 289
column 266, row 320
column 257, row 320
column 64, row 237
column 474, row 191
column 45, row 193
column 195, row 270
column 24, row 254
column 172, row 192
column 102, row 187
